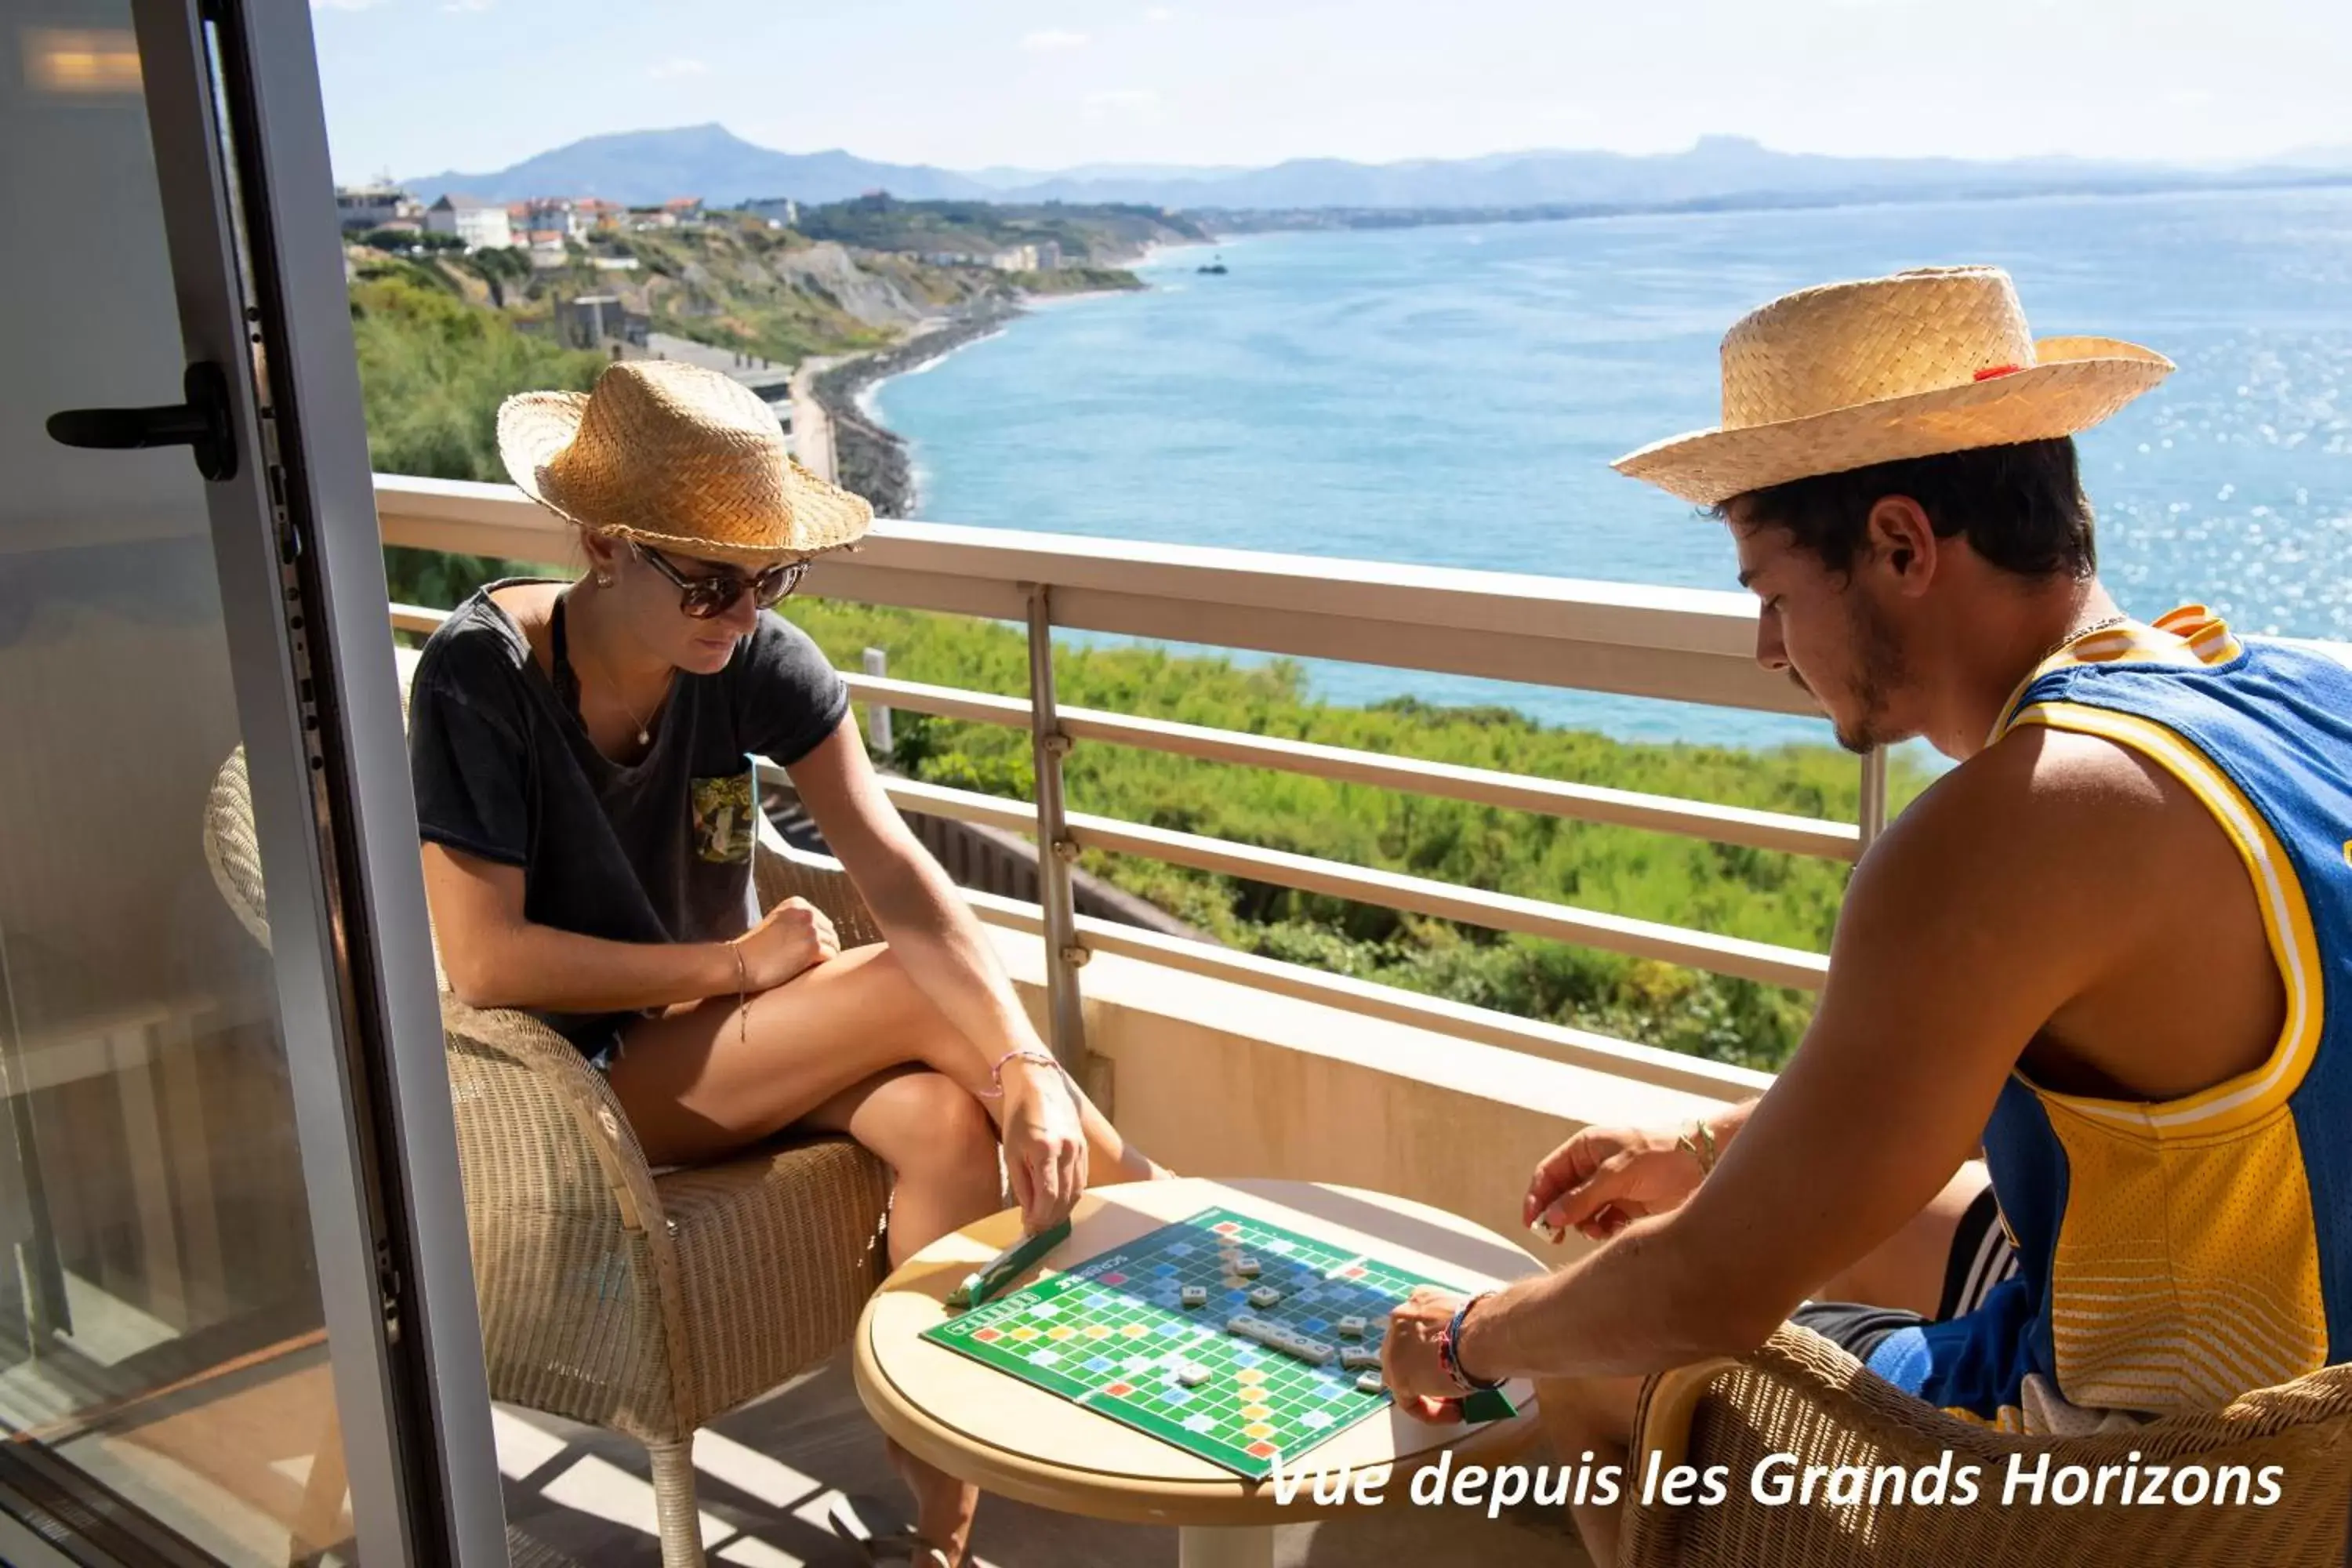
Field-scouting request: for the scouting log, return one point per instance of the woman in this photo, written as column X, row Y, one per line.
column 582, row 789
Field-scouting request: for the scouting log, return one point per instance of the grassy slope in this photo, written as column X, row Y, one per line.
column 1758, row 894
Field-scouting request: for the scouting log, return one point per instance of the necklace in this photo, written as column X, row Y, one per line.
column 2077, row 635
column 645, row 726
column 612, row 695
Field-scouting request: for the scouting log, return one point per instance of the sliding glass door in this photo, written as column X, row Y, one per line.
column 236, row 1321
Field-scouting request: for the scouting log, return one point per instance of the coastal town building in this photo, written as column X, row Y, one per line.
column 571, row 217
column 482, row 225
column 781, row 210
column 373, row 206
column 601, row 322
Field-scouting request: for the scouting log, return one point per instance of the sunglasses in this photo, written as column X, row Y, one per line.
column 705, row 597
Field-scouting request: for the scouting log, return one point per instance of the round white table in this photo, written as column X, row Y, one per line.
column 1017, row 1441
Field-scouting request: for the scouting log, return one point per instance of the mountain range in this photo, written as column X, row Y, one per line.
column 712, row 163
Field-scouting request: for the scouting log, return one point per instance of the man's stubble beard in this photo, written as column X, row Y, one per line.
column 1879, row 668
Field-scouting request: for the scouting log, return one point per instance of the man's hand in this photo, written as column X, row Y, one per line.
column 1044, row 1149
column 793, row 936
column 1409, row 1358
column 1606, row 1177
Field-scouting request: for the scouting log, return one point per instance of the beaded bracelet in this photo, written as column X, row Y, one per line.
column 1449, row 1342
column 1028, row 1054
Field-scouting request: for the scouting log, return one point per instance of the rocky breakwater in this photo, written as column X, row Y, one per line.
column 868, row 458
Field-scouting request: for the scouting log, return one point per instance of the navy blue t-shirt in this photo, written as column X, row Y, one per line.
column 655, row 851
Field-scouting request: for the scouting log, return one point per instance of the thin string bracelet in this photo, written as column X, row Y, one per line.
column 742, row 996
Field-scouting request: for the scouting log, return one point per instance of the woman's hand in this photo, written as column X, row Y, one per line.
column 1606, row 1177
column 1044, row 1150
column 793, row 936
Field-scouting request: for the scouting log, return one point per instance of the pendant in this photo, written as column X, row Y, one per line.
column 644, row 739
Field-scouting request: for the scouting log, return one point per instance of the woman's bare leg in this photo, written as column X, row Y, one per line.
column 843, row 1046
column 941, row 1148
column 701, row 1082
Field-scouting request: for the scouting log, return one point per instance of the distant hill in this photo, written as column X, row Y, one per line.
column 2319, row 158
column 706, row 160
column 712, row 163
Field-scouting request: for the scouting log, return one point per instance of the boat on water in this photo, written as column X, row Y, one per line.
column 1215, row 266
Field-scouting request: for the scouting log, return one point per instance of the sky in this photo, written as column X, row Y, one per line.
column 416, row 87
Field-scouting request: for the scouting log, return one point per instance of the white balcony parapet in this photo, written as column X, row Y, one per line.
column 1678, row 642
column 1689, row 645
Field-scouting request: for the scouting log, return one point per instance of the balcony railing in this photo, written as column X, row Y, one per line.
column 1684, row 645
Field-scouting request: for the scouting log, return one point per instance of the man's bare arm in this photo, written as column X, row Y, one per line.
column 1967, row 926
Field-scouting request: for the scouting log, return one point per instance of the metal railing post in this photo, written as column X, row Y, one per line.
column 1055, row 848
column 1873, row 816
column 877, row 663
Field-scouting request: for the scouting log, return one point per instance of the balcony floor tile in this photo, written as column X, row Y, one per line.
column 767, row 1473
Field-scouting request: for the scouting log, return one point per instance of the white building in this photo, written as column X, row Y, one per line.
column 1015, row 258
column 570, row 218
column 481, row 225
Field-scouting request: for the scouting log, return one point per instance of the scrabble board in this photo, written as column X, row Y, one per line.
column 1111, row 1336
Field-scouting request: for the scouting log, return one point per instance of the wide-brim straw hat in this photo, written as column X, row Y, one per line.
column 1850, row 374
column 676, row 457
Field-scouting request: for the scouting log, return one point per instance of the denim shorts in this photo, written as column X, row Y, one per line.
column 602, row 1049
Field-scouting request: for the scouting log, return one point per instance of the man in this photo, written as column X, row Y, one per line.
column 2102, row 949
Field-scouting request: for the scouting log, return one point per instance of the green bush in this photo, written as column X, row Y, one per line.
column 433, row 370
column 1758, row 894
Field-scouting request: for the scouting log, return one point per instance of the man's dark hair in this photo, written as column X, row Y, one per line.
column 2021, row 507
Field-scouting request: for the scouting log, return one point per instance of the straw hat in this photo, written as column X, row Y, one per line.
column 678, row 457
column 1850, row 374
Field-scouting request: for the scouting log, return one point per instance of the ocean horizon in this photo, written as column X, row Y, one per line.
column 1451, row 397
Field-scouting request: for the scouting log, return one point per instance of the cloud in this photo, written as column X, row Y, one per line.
column 457, row 6
column 341, row 5
column 671, row 68
column 1160, row 13
column 2190, row 98
column 1123, row 98
column 1052, row 38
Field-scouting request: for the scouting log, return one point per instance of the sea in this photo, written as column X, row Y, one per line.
column 1451, row 395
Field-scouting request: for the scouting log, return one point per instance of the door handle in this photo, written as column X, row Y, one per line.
column 201, row 423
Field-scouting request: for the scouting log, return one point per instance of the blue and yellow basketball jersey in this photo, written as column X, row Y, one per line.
column 2175, row 1254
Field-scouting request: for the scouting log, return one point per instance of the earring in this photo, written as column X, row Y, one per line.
column 604, row 579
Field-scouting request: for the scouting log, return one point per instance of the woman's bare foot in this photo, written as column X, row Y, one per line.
column 943, row 1505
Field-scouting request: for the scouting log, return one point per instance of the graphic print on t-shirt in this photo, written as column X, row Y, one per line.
column 723, row 823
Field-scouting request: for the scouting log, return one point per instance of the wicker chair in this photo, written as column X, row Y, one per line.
column 646, row 1303
column 1800, row 1394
